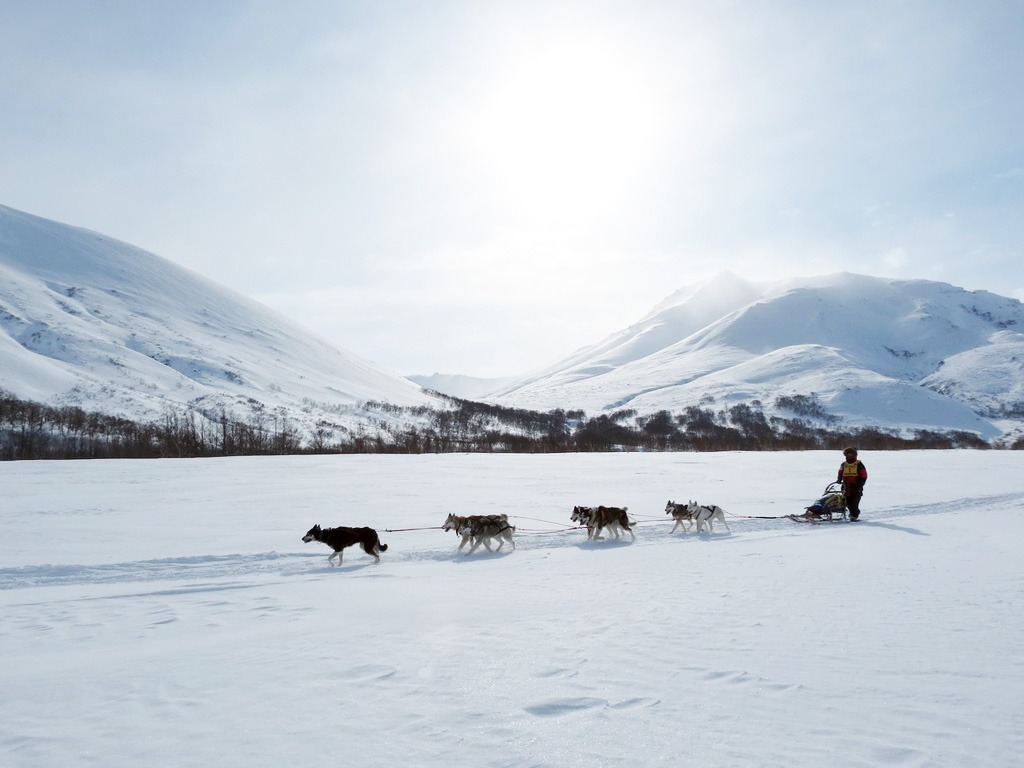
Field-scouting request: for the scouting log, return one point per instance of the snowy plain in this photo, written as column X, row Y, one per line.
column 166, row 613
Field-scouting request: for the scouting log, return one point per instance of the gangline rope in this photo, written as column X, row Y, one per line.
column 562, row 528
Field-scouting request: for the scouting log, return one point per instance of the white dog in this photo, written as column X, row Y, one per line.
column 707, row 514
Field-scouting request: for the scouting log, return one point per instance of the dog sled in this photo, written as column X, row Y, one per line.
column 830, row 507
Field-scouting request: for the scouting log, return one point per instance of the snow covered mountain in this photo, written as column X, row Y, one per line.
column 90, row 321
column 461, row 386
column 903, row 354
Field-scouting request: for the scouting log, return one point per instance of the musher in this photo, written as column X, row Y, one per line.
column 852, row 474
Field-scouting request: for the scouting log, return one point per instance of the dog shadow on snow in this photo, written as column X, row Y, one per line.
column 704, row 536
column 479, row 556
column 347, row 567
column 590, row 544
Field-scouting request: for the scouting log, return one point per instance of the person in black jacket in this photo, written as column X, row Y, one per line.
column 852, row 474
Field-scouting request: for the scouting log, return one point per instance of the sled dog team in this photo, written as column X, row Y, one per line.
column 477, row 530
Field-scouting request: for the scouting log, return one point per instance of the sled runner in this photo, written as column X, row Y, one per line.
column 831, row 507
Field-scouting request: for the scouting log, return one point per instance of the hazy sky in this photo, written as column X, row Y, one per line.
column 482, row 187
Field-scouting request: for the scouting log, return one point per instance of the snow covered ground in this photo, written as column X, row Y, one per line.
column 166, row 613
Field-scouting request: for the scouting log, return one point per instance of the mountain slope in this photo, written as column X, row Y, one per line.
column 464, row 387
column 890, row 353
column 90, row 321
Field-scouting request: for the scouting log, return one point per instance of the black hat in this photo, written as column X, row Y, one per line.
column 848, row 451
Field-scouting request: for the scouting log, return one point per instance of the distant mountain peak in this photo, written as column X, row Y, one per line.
column 722, row 288
column 893, row 352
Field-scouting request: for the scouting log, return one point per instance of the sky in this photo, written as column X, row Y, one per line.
column 483, row 187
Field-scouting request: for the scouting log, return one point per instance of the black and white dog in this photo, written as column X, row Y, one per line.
column 341, row 537
column 681, row 513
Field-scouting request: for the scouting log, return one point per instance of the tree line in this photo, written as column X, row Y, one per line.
column 30, row 430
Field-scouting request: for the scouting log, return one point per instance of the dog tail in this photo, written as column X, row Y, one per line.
column 383, row 547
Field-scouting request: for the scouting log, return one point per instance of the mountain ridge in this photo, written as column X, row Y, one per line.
column 91, row 321
column 870, row 350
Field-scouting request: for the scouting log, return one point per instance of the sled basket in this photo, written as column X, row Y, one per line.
column 831, row 505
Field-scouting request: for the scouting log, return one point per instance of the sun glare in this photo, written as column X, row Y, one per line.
column 564, row 131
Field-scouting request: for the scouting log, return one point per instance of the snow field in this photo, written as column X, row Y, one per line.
column 167, row 613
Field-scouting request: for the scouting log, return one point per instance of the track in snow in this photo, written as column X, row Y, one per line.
column 243, row 570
